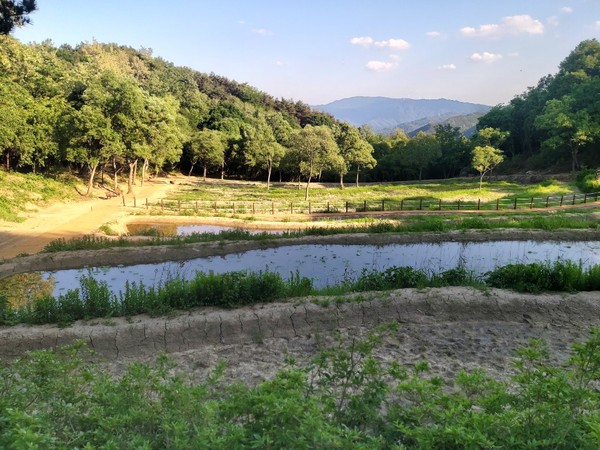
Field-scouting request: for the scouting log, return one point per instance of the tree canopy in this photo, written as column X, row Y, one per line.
column 15, row 14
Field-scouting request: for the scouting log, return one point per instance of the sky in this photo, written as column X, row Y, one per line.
column 318, row 51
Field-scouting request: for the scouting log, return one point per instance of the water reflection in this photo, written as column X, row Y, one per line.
column 172, row 229
column 331, row 264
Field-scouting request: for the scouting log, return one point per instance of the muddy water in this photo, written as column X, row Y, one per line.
column 331, row 264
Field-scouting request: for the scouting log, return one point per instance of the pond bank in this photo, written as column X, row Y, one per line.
column 453, row 328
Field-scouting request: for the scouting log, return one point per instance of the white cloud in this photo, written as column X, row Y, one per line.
column 447, row 67
column 363, row 41
column 511, row 25
column 395, row 57
column 433, row 34
column 381, row 66
column 566, row 10
column 485, row 57
column 279, row 63
column 597, row 24
column 398, row 44
column 261, row 31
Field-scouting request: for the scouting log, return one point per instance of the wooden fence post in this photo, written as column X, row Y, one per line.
column 291, row 207
column 547, row 201
column 440, row 205
column 478, row 204
column 162, row 206
column 515, row 207
column 233, row 207
column 196, row 206
column 346, row 207
column 458, row 204
column 497, row 204
column 383, row 205
column 561, row 199
column 573, row 200
column 179, row 206
column 272, row 207
column 365, row 206
column 585, row 198
column 134, row 201
column 253, row 209
column 309, row 208
column 531, row 203
column 401, row 204
column 420, row 204
column 328, row 210
column 146, row 202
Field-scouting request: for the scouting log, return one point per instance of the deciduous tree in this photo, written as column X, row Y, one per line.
column 485, row 159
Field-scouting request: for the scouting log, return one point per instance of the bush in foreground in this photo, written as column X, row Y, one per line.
column 345, row 398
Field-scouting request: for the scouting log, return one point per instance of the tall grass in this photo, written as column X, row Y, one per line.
column 234, row 289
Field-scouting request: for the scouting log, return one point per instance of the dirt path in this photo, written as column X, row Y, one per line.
column 67, row 220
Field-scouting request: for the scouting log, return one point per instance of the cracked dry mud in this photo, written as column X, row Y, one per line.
column 453, row 328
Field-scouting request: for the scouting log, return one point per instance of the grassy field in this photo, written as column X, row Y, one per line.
column 19, row 193
column 445, row 190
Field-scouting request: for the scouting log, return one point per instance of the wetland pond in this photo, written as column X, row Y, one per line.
column 331, row 264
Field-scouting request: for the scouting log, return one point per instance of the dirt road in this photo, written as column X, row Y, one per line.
column 67, row 220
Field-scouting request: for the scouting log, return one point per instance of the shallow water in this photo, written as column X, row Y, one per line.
column 168, row 229
column 331, row 264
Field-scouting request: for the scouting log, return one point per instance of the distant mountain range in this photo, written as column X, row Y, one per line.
column 384, row 114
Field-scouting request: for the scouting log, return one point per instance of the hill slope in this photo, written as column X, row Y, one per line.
column 384, row 114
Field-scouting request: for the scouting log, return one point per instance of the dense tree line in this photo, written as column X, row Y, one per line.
column 558, row 120
column 112, row 108
column 109, row 108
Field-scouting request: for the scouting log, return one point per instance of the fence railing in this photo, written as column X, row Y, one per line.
column 329, row 207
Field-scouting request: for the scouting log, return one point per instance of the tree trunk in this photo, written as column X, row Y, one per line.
column 341, row 180
column 116, row 172
column 204, row 172
column 144, row 168
column 269, row 169
column 91, row 179
column 357, row 174
column 191, row 170
column 132, row 167
column 574, row 160
column 420, row 173
column 308, row 182
column 481, row 180
column 134, row 178
column 223, row 171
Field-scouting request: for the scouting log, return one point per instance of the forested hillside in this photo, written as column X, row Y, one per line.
column 107, row 107
column 558, row 120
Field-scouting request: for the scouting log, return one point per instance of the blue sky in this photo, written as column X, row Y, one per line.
column 317, row 51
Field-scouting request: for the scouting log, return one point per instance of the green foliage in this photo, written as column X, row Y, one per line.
column 391, row 278
column 15, row 14
column 586, row 180
column 537, row 277
column 346, row 397
column 94, row 299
